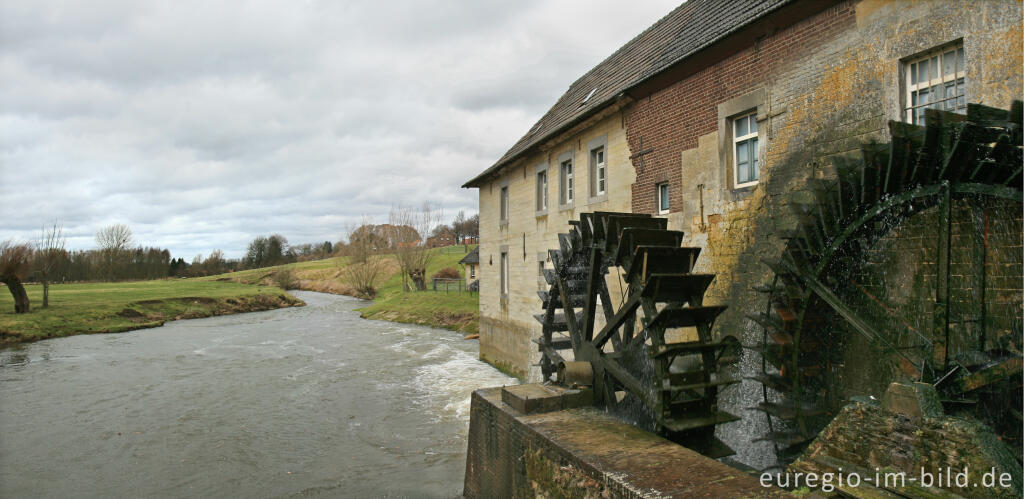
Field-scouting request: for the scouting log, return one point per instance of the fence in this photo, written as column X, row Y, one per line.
column 451, row 285
column 457, row 248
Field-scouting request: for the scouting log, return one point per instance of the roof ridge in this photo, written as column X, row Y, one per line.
column 689, row 28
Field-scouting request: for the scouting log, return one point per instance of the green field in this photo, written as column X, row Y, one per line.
column 123, row 306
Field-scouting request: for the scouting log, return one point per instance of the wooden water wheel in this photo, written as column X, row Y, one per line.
column 810, row 322
column 668, row 387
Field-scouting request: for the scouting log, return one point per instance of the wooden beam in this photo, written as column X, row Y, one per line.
column 625, row 312
column 940, row 312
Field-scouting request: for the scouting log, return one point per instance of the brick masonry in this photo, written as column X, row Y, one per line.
column 586, row 453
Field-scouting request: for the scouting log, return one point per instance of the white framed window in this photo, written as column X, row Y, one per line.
column 504, row 273
column 598, row 172
column 503, row 200
column 661, row 191
column 936, row 80
column 745, row 150
column 542, row 190
column 566, row 182
column 472, row 271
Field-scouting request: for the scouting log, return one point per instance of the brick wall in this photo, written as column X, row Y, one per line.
column 673, row 119
column 895, row 287
column 586, row 452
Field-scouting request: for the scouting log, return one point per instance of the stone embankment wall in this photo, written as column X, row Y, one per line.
column 584, row 452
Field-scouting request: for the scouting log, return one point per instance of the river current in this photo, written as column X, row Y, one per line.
column 301, row 402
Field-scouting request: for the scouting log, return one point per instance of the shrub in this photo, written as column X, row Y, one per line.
column 285, row 279
column 447, row 273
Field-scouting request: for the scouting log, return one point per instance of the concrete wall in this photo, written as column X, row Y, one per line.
column 507, row 324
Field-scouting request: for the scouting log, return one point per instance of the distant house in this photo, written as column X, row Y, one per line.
column 472, row 263
column 715, row 118
column 442, row 237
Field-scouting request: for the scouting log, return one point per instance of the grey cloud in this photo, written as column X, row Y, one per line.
column 204, row 124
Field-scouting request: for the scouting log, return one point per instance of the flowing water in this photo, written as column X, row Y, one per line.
column 300, row 402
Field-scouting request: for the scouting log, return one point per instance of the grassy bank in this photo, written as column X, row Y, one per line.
column 123, row 306
column 455, row 311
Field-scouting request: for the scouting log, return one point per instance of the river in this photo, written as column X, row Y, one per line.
column 300, row 402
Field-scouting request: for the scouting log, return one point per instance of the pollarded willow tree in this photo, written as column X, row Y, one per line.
column 15, row 263
column 365, row 264
column 406, row 224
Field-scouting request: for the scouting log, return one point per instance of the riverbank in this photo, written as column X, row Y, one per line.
column 124, row 306
column 453, row 311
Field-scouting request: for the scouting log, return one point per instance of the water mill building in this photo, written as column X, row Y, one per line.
column 725, row 118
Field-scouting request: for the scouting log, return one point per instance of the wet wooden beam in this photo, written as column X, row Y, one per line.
column 940, row 312
column 992, row 374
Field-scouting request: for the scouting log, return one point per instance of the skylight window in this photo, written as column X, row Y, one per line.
column 591, row 94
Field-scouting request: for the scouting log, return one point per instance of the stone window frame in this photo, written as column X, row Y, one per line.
column 542, row 259
column 741, row 106
column 564, row 203
column 504, row 270
column 909, row 88
column 545, row 192
column 738, row 141
column 472, row 271
column 504, row 203
column 592, row 178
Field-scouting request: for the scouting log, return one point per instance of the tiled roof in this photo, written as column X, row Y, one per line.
column 472, row 256
column 686, row 30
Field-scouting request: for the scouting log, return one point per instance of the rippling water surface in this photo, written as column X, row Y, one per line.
column 304, row 402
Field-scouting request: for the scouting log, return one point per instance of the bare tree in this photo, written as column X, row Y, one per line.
column 196, row 268
column 14, row 265
column 116, row 237
column 49, row 252
column 215, row 263
column 113, row 241
column 472, row 227
column 364, row 262
column 459, row 227
column 413, row 255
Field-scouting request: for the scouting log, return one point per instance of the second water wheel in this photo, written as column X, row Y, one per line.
column 833, row 330
column 670, row 387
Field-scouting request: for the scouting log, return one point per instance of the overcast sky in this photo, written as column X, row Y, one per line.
column 202, row 124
